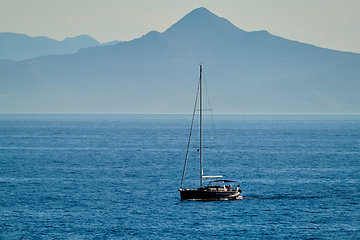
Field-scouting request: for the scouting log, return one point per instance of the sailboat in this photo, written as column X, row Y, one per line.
column 217, row 188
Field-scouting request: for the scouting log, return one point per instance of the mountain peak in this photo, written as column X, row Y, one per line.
column 202, row 19
column 200, row 10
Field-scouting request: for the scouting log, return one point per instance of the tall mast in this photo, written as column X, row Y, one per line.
column 201, row 157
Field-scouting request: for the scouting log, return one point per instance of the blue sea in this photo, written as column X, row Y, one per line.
column 117, row 176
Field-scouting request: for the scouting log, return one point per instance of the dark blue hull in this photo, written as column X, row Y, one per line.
column 203, row 194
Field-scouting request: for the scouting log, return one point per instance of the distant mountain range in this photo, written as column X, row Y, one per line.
column 246, row 72
column 18, row 47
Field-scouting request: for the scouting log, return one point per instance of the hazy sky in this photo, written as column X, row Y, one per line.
column 331, row 24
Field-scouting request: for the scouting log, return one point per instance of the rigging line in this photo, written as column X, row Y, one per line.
column 191, row 128
column 211, row 115
column 214, row 139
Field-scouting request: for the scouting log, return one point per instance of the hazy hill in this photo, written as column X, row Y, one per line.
column 111, row 43
column 252, row 72
column 5, row 62
column 15, row 46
